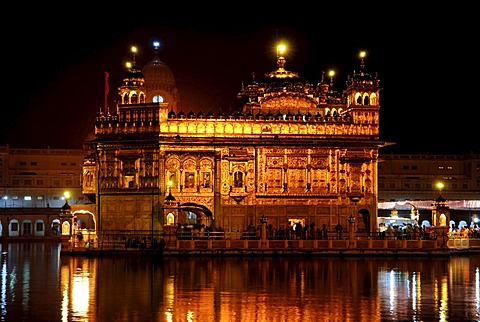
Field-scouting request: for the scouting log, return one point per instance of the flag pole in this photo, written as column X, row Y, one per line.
column 106, row 93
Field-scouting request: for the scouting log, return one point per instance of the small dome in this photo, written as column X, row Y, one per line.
column 191, row 114
column 158, row 74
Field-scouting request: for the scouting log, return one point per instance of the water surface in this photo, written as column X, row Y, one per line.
column 40, row 285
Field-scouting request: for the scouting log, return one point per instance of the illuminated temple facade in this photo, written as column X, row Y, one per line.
column 292, row 152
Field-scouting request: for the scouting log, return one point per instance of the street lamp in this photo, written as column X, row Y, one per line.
column 5, row 198
column 351, row 221
column 263, row 221
column 440, row 187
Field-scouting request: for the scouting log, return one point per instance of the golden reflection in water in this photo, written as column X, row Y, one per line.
column 444, row 302
column 477, row 291
column 78, row 281
column 261, row 289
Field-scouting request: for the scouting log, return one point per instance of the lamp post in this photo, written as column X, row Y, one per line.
column 5, row 198
column 351, row 222
column 263, row 221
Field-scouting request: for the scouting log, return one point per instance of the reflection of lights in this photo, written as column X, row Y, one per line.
column 477, row 291
column 3, row 301
column 169, row 316
column 443, row 309
column 65, row 302
column 190, row 316
column 392, row 290
column 416, row 292
column 80, row 294
column 77, row 286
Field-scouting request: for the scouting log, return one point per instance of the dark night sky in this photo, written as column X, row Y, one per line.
column 426, row 63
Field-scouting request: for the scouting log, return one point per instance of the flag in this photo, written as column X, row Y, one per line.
column 106, row 83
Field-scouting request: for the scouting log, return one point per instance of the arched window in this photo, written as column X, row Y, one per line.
column 170, row 219
column 134, row 98
column 366, row 100
column 189, row 180
column 14, row 228
column 65, row 228
column 158, row 99
column 39, row 228
column 172, row 182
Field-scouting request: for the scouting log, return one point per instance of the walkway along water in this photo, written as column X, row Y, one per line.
column 218, row 244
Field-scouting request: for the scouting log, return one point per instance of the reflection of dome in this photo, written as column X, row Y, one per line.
column 157, row 74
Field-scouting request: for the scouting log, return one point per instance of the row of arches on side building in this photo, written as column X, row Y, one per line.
column 29, row 228
column 22, row 228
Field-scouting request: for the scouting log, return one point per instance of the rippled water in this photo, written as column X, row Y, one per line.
column 37, row 284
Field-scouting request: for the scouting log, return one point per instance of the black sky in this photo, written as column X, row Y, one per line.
column 427, row 65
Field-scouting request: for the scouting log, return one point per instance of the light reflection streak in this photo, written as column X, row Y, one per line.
column 3, row 302
column 26, row 284
column 477, row 292
column 443, row 311
column 169, row 316
column 414, row 292
column 190, row 316
column 65, row 282
column 65, row 302
column 391, row 290
column 80, row 294
column 170, row 297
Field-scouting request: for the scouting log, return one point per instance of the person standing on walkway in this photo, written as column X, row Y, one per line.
column 339, row 230
column 324, row 232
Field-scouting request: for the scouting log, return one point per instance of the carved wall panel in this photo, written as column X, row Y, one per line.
column 274, row 179
column 297, row 162
column 318, row 181
column 319, row 162
column 355, row 178
column 297, row 151
column 296, row 180
column 274, row 162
